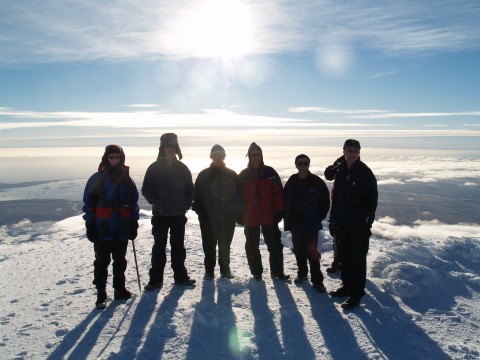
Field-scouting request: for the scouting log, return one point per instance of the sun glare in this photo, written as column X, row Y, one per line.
column 221, row 28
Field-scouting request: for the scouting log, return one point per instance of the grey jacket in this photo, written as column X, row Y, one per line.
column 168, row 188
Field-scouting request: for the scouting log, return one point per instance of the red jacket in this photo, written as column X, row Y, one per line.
column 263, row 197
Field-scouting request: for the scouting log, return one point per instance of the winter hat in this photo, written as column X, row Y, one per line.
column 217, row 150
column 352, row 143
column 302, row 156
column 111, row 149
column 253, row 146
column 169, row 139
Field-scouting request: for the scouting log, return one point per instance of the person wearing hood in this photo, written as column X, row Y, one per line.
column 168, row 187
column 307, row 204
column 263, row 203
column 354, row 202
column 111, row 219
column 217, row 204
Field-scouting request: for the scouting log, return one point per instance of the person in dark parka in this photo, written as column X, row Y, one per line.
column 307, row 203
column 111, row 218
column 168, row 187
column 218, row 205
column 354, row 202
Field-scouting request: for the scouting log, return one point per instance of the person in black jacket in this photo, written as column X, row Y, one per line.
column 111, row 219
column 218, row 204
column 307, row 204
column 168, row 187
column 329, row 173
column 354, row 202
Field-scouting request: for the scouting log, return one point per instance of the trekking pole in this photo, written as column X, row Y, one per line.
column 136, row 265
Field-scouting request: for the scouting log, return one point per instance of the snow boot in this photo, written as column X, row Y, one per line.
column 122, row 294
column 153, row 286
column 101, row 302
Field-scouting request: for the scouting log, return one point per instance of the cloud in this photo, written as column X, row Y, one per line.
column 434, row 229
column 416, row 115
column 52, row 31
column 390, row 181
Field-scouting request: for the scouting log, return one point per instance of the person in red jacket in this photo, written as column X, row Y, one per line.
column 264, row 203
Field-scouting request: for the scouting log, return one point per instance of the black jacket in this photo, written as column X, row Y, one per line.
column 307, row 202
column 354, row 196
column 217, row 193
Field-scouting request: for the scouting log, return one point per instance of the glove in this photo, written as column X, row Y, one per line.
column 278, row 216
column 91, row 230
column 132, row 235
column 332, row 227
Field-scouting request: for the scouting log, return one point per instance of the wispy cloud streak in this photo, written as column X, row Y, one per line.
column 52, row 31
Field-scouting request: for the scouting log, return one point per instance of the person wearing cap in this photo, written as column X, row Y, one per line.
column 307, row 201
column 168, row 187
column 354, row 202
column 111, row 219
column 217, row 204
column 263, row 206
column 329, row 173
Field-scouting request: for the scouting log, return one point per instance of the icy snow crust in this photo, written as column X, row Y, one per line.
column 421, row 302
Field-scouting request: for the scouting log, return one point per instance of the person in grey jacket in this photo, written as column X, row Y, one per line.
column 168, row 187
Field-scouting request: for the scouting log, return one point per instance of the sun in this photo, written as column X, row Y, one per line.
column 216, row 28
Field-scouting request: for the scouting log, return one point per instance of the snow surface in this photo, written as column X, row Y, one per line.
column 422, row 299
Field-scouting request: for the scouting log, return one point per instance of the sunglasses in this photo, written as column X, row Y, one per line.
column 302, row 163
column 352, row 150
column 112, row 157
column 170, row 146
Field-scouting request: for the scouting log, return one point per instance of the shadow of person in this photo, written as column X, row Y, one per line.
column 392, row 331
column 266, row 335
column 83, row 348
column 338, row 336
column 294, row 337
column 161, row 329
column 71, row 338
column 133, row 337
column 214, row 333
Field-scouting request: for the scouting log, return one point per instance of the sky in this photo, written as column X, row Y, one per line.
column 393, row 74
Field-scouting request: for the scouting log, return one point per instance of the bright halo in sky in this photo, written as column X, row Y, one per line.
column 216, row 28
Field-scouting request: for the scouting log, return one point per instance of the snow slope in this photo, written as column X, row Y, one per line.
column 421, row 302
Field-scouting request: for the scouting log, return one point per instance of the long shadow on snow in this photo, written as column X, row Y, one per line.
column 266, row 336
column 338, row 336
column 392, row 331
column 132, row 339
column 83, row 348
column 214, row 333
column 161, row 331
column 295, row 340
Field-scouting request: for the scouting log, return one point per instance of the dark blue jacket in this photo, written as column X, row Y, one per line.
column 112, row 205
column 307, row 203
column 354, row 196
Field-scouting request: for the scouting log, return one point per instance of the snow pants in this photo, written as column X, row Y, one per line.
column 160, row 227
column 105, row 250
column 272, row 237
column 306, row 251
column 353, row 243
column 217, row 231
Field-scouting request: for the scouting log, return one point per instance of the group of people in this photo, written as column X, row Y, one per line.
column 254, row 199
